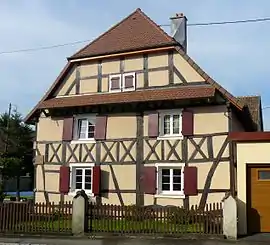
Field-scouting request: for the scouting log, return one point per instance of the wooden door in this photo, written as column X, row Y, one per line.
column 258, row 199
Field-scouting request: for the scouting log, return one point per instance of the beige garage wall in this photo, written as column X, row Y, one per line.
column 248, row 153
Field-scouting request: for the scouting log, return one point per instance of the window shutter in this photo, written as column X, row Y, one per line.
column 68, row 129
column 149, row 180
column 153, row 129
column 187, row 123
column 115, row 83
column 101, row 127
column 64, row 179
column 190, row 181
column 96, row 180
column 129, row 81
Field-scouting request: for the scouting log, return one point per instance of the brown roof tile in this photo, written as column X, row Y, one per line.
column 183, row 92
column 253, row 104
column 135, row 32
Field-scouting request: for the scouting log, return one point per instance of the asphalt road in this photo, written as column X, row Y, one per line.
column 129, row 241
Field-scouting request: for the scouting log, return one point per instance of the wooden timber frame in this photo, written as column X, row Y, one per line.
column 133, row 153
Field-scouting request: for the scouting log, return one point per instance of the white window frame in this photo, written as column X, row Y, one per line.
column 76, row 139
column 110, row 84
column 162, row 114
column 171, row 193
column 73, row 167
column 134, row 81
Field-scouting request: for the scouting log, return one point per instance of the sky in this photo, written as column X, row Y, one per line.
column 235, row 55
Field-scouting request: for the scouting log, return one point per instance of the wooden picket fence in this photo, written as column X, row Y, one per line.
column 155, row 220
column 42, row 218
column 26, row 217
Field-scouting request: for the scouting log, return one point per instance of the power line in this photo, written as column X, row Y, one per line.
column 227, row 22
column 43, row 48
column 83, row 41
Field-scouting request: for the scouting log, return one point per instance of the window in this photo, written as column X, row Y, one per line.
column 129, row 81
column 84, row 127
column 170, row 180
column 170, row 123
column 125, row 82
column 115, row 83
column 264, row 174
column 81, row 178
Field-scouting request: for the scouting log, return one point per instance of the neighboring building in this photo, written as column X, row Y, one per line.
column 132, row 119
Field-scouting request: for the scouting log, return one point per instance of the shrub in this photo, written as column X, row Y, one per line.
column 136, row 213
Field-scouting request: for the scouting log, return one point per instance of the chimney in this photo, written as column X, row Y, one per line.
column 179, row 29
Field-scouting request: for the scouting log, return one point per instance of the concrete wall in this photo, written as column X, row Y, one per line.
column 245, row 155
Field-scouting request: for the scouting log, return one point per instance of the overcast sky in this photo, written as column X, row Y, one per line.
column 236, row 55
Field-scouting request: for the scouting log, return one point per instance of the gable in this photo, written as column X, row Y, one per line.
column 155, row 67
column 137, row 31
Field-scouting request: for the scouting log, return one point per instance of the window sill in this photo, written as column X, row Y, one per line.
column 173, row 196
column 83, row 141
column 173, row 137
column 90, row 194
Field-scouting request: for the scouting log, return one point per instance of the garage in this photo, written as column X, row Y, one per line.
column 258, row 198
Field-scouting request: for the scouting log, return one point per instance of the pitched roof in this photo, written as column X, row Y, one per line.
column 181, row 92
column 135, row 32
column 253, row 104
column 121, row 38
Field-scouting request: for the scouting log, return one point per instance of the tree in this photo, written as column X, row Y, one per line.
column 16, row 147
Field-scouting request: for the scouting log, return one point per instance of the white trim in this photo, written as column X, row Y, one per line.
column 169, row 194
column 80, row 165
column 120, row 83
column 83, row 141
column 89, row 117
column 134, row 81
column 162, row 114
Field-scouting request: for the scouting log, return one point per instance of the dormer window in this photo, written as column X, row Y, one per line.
column 122, row 83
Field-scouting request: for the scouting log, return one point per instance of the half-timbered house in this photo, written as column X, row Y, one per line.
column 132, row 119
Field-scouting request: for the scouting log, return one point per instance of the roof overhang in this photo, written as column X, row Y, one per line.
column 246, row 137
column 174, row 93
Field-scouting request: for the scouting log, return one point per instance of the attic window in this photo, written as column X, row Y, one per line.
column 121, row 83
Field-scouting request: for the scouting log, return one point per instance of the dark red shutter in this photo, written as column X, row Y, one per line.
column 96, row 180
column 149, row 178
column 68, row 129
column 101, row 128
column 153, row 129
column 64, row 179
column 187, row 123
column 190, row 181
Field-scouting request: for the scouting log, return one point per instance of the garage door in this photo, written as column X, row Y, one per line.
column 258, row 199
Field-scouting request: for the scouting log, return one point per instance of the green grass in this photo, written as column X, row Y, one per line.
column 112, row 226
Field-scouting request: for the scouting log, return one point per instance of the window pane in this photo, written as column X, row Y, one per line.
column 88, row 179
column 78, row 179
column 165, row 171
column 166, row 124
column 91, row 130
column 176, row 126
column 129, row 81
column 165, row 179
column 82, row 128
column 177, row 172
column 165, row 187
column 264, row 174
column 78, row 185
column 177, row 187
column 78, row 171
column 87, row 186
column 88, row 172
column 115, row 83
column 177, row 179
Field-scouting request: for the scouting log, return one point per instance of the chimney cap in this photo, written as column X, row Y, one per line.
column 178, row 16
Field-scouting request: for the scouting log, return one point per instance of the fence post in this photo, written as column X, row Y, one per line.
column 230, row 218
column 79, row 213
